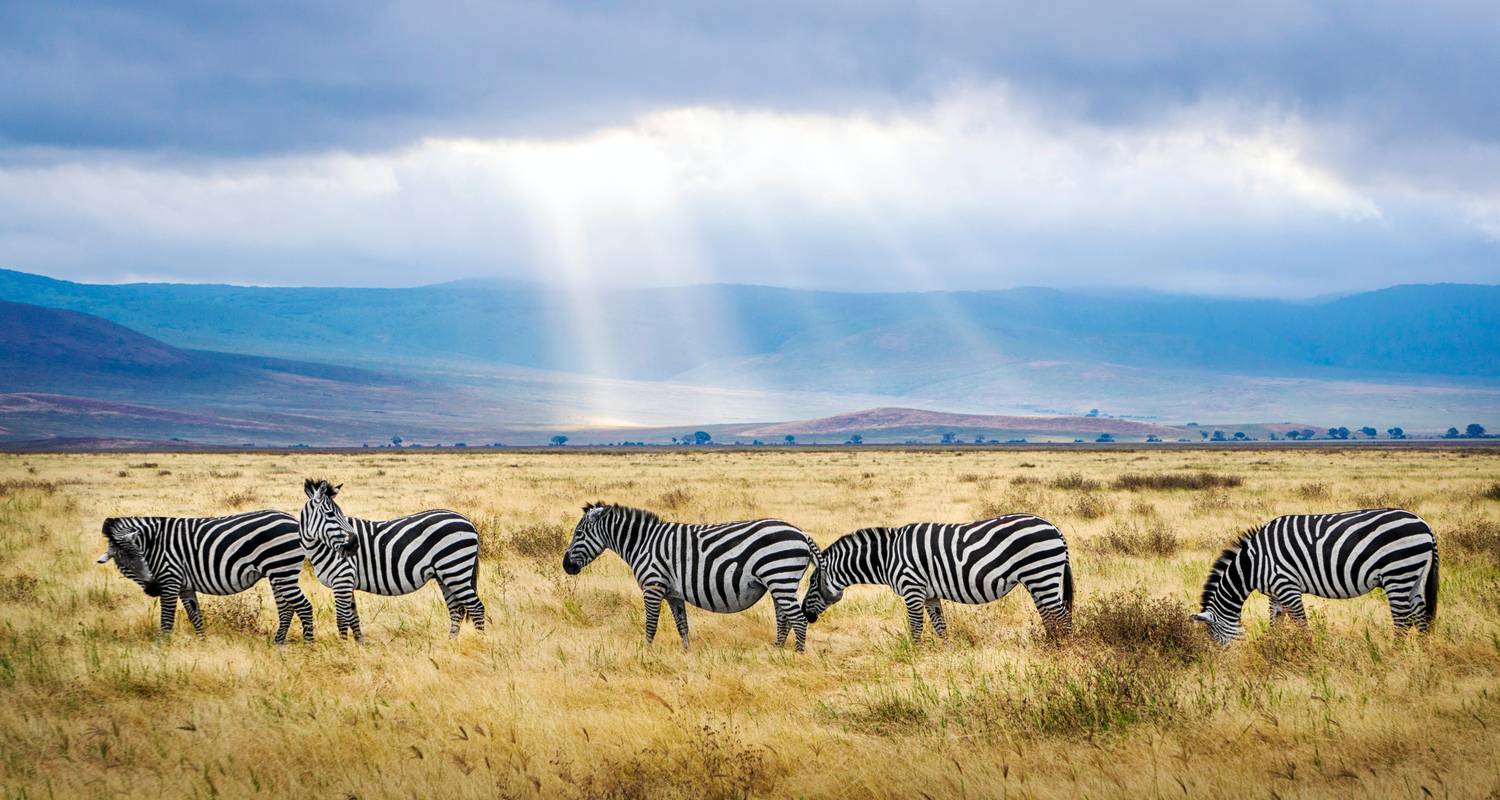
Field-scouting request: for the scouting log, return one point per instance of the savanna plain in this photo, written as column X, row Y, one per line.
column 561, row 698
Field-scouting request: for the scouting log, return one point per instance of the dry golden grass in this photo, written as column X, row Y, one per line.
column 560, row 698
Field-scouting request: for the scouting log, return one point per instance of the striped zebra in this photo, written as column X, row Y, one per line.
column 175, row 558
column 724, row 567
column 928, row 562
column 1325, row 555
column 390, row 557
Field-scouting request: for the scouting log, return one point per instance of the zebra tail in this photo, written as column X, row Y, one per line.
column 1067, row 587
column 1430, row 589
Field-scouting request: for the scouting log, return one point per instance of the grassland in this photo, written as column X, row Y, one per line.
column 560, row 698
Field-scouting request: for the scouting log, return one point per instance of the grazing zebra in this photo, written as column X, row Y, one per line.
column 973, row 562
column 175, row 558
column 390, row 557
column 723, row 567
column 1326, row 555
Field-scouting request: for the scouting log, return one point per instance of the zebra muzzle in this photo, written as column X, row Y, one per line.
column 571, row 567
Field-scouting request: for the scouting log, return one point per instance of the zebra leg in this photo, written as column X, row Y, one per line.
column 935, row 611
column 460, row 595
column 476, row 612
column 915, row 605
column 679, row 615
column 653, row 595
column 290, row 600
column 348, row 614
column 1407, row 606
column 168, row 611
column 789, row 614
column 195, row 614
column 455, row 611
column 1286, row 600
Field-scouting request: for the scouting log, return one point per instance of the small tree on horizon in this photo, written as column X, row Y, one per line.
column 1452, row 433
column 948, row 438
column 559, row 440
column 789, row 439
column 1474, row 431
column 702, row 437
column 857, row 439
column 1293, row 435
column 1369, row 432
column 395, row 441
column 1395, row 433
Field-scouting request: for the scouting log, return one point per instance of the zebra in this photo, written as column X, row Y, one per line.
column 175, row 558
column 1339, row 555
column 723, row 567
column 390, row 557
column 973, row 562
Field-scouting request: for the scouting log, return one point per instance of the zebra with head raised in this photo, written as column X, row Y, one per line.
column 928, row 562
column 175, row 558
column 1325, row 555
column 390, row 557
column 723, row 567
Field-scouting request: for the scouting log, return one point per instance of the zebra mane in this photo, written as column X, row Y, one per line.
column 329, row 490
column 1216, row 573
column 619, row 510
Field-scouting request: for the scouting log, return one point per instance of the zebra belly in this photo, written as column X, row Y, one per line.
column 980, row 596
column 739, row 599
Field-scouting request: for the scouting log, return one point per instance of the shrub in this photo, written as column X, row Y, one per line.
column 1313, row 491
column 540, row 541
column 1074, row 481
column 239, row 499
column 1090, row 505
column 235, row 612
column 1126, row 539
column 1162, row 481
column 1492, row 493
column 13, row 486
column 1474, row 535
column 674, row 500
column 1133, row 622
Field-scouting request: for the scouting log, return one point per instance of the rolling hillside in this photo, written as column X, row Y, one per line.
column 514, row 357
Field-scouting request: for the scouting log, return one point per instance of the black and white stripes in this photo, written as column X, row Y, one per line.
column 722, row 567
column 391, row 557
column 976, row 562
column 1326, row 555
column 176, row 558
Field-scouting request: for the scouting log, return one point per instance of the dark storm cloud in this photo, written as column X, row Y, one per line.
column 256, row 78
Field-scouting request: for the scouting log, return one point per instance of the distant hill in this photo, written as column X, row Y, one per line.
column 914, row 419
column 525, row 355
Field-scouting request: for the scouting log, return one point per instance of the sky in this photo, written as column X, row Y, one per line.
column 1279, row 149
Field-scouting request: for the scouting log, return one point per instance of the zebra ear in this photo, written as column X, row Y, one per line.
column 1203, row 617
column 333, row 490
column 309, row 486
column 104, row 559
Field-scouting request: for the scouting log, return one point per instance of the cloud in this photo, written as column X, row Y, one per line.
column 982, row 188
column 1267, row 147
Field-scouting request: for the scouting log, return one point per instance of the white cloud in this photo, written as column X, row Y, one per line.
column 977, row 189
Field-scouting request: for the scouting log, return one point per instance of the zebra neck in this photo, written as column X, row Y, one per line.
column 633, row 540
column 1236, row 581
column 863, row 557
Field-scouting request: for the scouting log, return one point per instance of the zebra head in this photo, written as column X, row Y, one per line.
column 125, row 538
column 1224, row 594
column 822, row 592
column 323, row 522
column 590, row 538
column 841, row 564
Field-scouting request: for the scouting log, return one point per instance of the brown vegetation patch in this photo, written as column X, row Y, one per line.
column 1134, row 622
column 1074, row 482
column 1474, row 535
column 1125, row 538
column 1165, row 481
